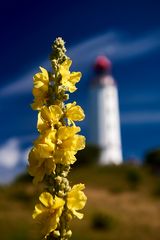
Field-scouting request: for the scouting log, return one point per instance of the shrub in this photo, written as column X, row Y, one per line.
column 156, row 191
column 23, row 178
column 152, row 159
column 89, row 156
column 102, row 221
column 134, row 178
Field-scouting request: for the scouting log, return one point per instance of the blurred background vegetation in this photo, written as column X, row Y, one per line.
column 123, row 201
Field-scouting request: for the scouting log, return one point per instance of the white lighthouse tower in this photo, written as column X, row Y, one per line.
column 104, row 117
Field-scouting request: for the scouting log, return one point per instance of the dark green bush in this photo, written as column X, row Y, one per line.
column 23, row 178
column 101, row 221
column 156, row 190
column 133, row 178
column 152, row 159
column 88, row 156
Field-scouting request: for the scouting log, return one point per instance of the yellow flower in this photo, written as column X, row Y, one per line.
column 74, row 112
column 48, row 212
column 48, row 117
column 68, row 143
column 76, row 200
column 68, row 79
column 61, row 144
column 40, row 89
column 68, row 139
column 39, row 166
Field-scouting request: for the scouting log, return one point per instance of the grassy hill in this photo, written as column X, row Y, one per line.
column 123, row 204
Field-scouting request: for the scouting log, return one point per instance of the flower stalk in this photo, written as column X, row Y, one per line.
column 54, row 150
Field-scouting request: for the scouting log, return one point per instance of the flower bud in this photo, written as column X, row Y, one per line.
column 69, row 216
column 62, row 186
column 61, row 194
column 58, row 179
column 56, row 233
column 69, row 234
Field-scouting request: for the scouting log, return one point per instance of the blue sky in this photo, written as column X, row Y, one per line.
column 128, row 33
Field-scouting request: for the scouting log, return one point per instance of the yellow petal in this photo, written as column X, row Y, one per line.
column 64, row 157
column 51, row 114
column 41, row 76
column 42, row 220
column 39, row 208
column 41, row 126
column 53, row 219
column 64, row 71
column 74, row 78
column 50, row 166
column 78, row 187
column 34, row 159
column 50, row 138
column 67, row 63
column 39, row 176
column 79, row 142
column 45, row 114
column 51, row 224
column 78, row 215
column 36, row 166
column 40, row 89
column 46, row 199
column 59, row 202
column 38, row 103
column 45, row 73
column 69, row 79
column 37, row 83
column 71, row 88
column 45, row 150
column 75, row 113
column 39, row 167
column 76, row 199
column 48, row 213
column 48, row 117
column 56, row 113
column 74, row 143
column 69, row 157
column 66, row 132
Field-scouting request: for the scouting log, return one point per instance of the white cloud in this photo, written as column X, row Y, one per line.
column 22, row 85
column 13, row 159
column 25, row 155
column 11, row 154
column 116, row 45
column 143, row 117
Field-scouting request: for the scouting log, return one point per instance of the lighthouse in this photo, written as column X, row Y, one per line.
column 104, row 113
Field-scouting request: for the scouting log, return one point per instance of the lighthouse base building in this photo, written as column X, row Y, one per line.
column 104, row 116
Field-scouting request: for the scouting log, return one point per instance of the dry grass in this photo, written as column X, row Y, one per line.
column 136, row 213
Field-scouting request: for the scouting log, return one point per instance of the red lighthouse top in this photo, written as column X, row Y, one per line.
column 103, row 76
column 102, row 64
